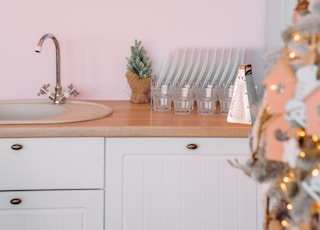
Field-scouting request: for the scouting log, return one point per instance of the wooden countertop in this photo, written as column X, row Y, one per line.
column 135, row 120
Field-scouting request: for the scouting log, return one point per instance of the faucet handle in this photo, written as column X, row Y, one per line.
column 72, row 90
column 44, row 89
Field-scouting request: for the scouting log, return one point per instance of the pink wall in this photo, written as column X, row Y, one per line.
column 95, row 37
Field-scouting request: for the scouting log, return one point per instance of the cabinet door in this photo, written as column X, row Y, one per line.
column 160, row 183
column 52, row 210
column 51, row 163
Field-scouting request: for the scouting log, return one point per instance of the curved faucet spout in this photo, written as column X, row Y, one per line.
column 58, row 88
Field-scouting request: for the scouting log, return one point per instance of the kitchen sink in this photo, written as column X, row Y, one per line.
column 46, row 112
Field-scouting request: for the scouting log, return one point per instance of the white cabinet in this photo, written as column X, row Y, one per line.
column 52, row 183
column 178, row 183
column 125, row 184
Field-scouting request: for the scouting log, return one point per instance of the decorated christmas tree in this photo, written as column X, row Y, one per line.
column 284, row 140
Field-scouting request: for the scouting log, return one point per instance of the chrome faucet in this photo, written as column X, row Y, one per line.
column 57, row 97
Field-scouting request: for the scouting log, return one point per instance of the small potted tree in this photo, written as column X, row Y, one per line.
column 139, row 73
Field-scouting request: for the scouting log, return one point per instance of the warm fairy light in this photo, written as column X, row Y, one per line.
column 289, row 206
column 302, row 154
column 268, row 109
column 315, row 172
column 316, row 206
column 273, row 87
column 283, row 187
column 302, row 133
column 286, row 179
column 292, row 55
column 315, row 138
column 285, row 223
column 296, row 37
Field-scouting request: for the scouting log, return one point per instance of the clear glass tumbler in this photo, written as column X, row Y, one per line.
column 182, row 100
column 162, row 98
column 206, row 100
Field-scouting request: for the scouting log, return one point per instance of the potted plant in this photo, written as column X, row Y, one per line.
column 139, row 73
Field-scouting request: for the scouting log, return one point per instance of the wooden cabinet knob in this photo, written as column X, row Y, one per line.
column 16, row 201
column 192, row 146
column 16, row 146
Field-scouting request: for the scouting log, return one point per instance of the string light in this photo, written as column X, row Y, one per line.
column 315, row 138
column 289, row 206
column 273, row 87
column 283, row 186
column 286, row 179
column 302, row 154
column 296, row 37
column 268, row 109
column 285, row 223
column 315, row 172
column 292, row 55
column 302, row 133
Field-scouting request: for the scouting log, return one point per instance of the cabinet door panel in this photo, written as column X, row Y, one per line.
column 177, row 191
column 132, row 196
column 171, row 174
column 52, row 210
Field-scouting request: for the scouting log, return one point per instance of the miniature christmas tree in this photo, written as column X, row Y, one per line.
column 139, row 62
column 138, row 75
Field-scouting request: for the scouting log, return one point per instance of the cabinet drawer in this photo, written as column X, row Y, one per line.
column 216, row 146
column 51, row 163
column 72, row 210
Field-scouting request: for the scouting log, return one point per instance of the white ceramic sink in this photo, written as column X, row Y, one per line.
column 45, row 112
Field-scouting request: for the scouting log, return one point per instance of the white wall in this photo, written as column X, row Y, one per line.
column 279, row 17
column 95, row 38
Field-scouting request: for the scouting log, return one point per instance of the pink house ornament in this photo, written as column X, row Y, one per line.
column 313, row 113
column 276, row 135
column 280, row 86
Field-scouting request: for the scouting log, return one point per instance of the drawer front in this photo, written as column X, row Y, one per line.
column 51, row 163
column 188, row 146
column 44, row 210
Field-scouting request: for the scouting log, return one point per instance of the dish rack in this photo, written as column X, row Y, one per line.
column 201, row 67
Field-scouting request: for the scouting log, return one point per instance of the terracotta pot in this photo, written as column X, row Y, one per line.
column 139, row 88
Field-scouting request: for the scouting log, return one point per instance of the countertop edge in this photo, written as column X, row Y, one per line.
column 134, row 120
column 121, row 132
